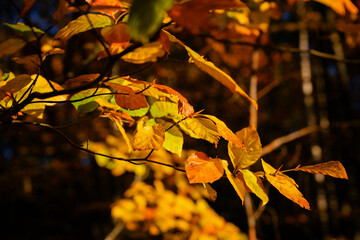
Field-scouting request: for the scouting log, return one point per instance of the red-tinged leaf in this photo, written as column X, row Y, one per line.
column 108, row 7
column 212, row 193
column 183, row 14
column 83, row 24
column 247, row 155
column 148, row 137
column 28, row 5
column 165, row 42
column 332, row 168
column 213, row 71
column 14, row 85
column 118, row 38
column 202, row 169
column 128, row 98
column 225, row 132
column 254, row 184
column 237, row 183
column 79, row 80
column 11, row 46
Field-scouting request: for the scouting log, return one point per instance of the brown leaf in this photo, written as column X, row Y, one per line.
column 77, row 81
column 31, row 61
column 117, row 36
column 11, row 46
column 148, row 137
column 332, row 168
column 202, row 169
column 14, row 85
column 28, row 5
column 212, row 193
column 128, row 98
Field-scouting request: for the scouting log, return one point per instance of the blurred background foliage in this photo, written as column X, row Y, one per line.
column 49, row 190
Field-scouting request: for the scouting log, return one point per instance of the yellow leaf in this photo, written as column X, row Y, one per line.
column 148, row 136
column 200, row 128
column 11, row 46
column 225, row 132
column 174, row 139
column 147, row 53
column 252, row 182
column 14, row 85
column 83, row 24
column 237, row 184
column 243, row 157
column 332, row 168
column 270, row 170
column 212, row 70
column 123, row 133
column 202, row 169
column 285, row 186
column 340, row 6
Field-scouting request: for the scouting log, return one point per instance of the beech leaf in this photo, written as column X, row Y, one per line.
column 252, row 182
column 340, row 6
column 148, row 136
column 162, row 109
column 200, row 128
column 84, row 101
column 83, row 24
column 14, row 85
column 174, row 139
column 202, row 169
column 212, row 193
column 285, row 186
column 237, row 184
column 213, row 71
column 243, row 157
column 332, row 168
column 146, row 53
column 11, row 46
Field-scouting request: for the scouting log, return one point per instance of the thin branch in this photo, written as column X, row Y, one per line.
column 288, row 138
column 95, row 153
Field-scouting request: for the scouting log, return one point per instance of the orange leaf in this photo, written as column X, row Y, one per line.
column 285, row 185
column 127, row 98
column 212, row 193
column 340, row 6
column 202, row 169
column 332, row 168
column 118, row 38
column 148, row 136
column 108, row 7
column 76, row 81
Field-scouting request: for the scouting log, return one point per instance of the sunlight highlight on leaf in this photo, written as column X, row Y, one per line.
column 202, row 169
column 82, row 24
column 254, row 184
column 237, row 184
column 148, row 137
column 174, row 139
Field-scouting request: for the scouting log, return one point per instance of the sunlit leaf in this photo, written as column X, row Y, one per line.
column 42, row 86
column 108, row 7
column 161, row 109
column 83, row 24
column 270, row 170
column 332, row 168
column 340, row 6
column 213, row 71
column 202, row 169
column 118, row 38
column 146, row 18
column 224, row 131
column 26, row 31
column 84, row 101
column 122, row 131
column 240, row 157
column 148, row 53
column 35, row 110
column 237, row 184
column 11, row 46
column 200, row 128
column 252, row 182
column 285, row 186
column 15, row 84
column 174, row 139
column 148, row 137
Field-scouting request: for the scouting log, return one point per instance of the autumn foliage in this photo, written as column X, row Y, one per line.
column 153, row 120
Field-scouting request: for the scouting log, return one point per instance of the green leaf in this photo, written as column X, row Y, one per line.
column 174, row 139
column 212, row 70
column 83, row 24
column 25, row 30
column 88, row 104
column 163, row 109
column 201, row 128
column 146, row 18
column 240, row 157
column 252, row 182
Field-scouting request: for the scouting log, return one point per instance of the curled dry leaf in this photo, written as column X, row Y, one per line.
column 202, row 169
column 332, row 168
